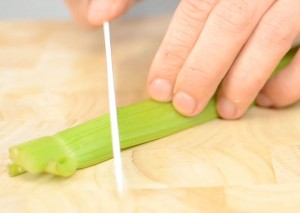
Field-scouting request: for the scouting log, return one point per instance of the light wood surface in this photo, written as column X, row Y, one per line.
column 52, row 76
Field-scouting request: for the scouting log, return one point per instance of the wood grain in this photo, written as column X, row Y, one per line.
column 52, row 76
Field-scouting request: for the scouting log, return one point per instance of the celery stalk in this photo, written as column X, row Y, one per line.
column 90, row 143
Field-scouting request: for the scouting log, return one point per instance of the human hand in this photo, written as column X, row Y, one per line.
column 96, row 12
column 232, row 43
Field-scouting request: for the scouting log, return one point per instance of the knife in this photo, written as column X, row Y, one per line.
column 113, row 110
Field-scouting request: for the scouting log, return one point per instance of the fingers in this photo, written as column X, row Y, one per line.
column 183, row 32
column 106, row 10
column 227, row 29
column 283, row 89
column 267, row 45
column 79, row 10
column 95, row 12
column 200, row 70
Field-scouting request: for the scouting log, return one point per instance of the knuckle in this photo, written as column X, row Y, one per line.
column 197, row 10
column 173, row 57
column 234, row 16
column 277, row 31
column 170, row 62
column 195, row 75
column 247, row 86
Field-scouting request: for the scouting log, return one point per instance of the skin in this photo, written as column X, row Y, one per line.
column 229, row 45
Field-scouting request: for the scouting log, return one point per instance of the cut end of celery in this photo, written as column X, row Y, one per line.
column 42, row 155
column 15, row 170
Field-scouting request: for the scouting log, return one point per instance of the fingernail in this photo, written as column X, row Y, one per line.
column 161, row 90
column 99, row 11
column 184, row 103
column 263, row 100
column 226, row 108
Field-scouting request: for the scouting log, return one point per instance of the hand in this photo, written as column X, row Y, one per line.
column 232, row 46
column 95, row 12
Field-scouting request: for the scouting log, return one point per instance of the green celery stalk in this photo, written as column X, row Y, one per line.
column 90, row 143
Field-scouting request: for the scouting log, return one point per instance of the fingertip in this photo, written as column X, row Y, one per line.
column 227, row 109
column 160, row 90
column 185, row 104
column 101, row 11
column 284, row 88
column 98, row 12
column 264, row 100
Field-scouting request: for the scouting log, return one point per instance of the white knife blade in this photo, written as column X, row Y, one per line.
column 113, row 110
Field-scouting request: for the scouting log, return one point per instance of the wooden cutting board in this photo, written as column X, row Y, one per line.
column 52, row 76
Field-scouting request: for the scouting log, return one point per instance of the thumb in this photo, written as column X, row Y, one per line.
column 100, row 11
